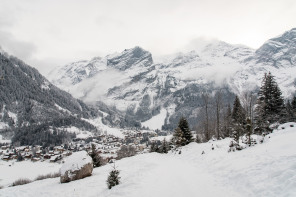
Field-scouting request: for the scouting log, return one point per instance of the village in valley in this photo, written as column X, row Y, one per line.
column 108, row 146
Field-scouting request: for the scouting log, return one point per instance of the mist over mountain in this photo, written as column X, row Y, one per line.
column 133, row 83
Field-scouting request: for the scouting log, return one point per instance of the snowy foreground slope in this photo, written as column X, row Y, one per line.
column 268, row 169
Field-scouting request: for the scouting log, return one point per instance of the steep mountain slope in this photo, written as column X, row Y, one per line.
column 278, row 56
column 31, row 102
column 137, row 85
column 142, row 88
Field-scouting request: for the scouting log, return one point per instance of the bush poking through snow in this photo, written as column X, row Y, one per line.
column 48, row 176
column 126, row 151
column 21, row 182
column 113, row 178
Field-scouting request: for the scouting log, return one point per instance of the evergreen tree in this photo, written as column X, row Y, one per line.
column 178, row 138
column 270, row 105
column 97, row 159
column 164, row 148
column 249, row 131
column 20, row 157
column 154, row 147
column 238, row 119
column 238, row 112
column 113, row 178
column 183, row 125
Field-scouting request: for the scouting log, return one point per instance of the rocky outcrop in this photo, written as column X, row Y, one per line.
column 279, row 51
column 77, row 166
column 130, row 58
column 136, row 85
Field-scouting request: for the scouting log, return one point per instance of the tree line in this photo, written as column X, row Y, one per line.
column 256, row 114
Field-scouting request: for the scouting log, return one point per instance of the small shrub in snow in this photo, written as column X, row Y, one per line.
column 164, row 148
column 48, row 176
column 21, row 182
column 126, row 151
column 154, row 147
column 113, row 178
column 233, row 146
column 1, row 187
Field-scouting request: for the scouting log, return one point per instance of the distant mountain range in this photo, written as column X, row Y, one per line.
column 141, row 88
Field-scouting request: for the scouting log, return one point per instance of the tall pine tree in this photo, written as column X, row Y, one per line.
column 97, row 159
column 182, row 135
column 270, row 106
column 178, row 138
column 183, row 125
column 238, row 119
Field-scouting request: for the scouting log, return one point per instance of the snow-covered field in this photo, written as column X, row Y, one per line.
column 1, row 138
column 267, row 169
column 157, row 121
column 10, row 171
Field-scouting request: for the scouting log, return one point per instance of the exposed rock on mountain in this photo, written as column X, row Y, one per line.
column 141, row 88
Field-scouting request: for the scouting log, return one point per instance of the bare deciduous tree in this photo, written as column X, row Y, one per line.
column 205, row 97
column 218, row 105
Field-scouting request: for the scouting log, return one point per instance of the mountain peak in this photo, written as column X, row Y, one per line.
column 129, row 58
column 279, row 51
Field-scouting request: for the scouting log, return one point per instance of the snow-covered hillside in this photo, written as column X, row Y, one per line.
column 133, row 82
column 266, row 169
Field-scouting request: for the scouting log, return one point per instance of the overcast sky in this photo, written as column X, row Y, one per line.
column 48, row 33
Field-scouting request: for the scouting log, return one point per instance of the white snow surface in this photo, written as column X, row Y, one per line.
column 11, row 171
column 97, row 122
column 3, row 125
column 1, row 137
column 13, row 116
column 79, row 133
column 161, row 138
column 75, row 162
column 266, row 169
column 157, row 121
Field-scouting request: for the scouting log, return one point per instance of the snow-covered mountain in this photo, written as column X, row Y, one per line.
column 134, row 83
column 31, row 106
column 278, row 56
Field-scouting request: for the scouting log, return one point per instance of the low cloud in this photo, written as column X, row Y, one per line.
column 199, row 43
column 20, row 49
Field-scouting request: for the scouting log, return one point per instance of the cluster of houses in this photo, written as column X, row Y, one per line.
column 106, row 145
column 34, row 153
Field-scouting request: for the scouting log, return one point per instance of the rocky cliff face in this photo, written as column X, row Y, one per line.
column 277, row 56
column 279, row 51
column 135, row 84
